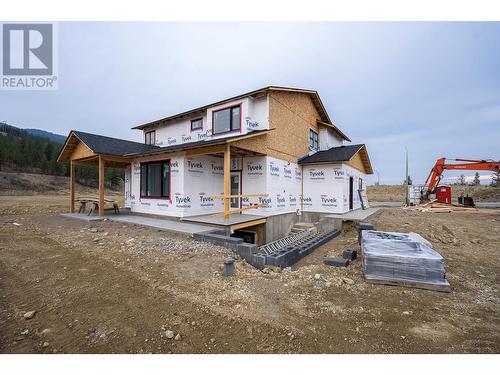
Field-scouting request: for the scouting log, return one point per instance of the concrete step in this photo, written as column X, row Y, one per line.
column 303, row 225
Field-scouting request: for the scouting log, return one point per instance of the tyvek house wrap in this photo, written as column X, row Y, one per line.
column 170, row 207
column 194, row 180
column 326, row 188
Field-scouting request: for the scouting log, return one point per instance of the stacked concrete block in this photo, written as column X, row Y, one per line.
column 349, row 254
column 284, row 257
column 361, row 227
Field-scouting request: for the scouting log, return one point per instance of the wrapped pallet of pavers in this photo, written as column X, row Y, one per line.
column 405, row 259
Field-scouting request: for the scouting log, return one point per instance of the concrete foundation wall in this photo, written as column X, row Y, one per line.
column 279, row 226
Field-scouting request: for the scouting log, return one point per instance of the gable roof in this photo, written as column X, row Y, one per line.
column 100, row 144
column 314, row 97
column 339, row 154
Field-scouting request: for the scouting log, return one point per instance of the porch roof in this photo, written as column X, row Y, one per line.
column 125, row 150
column 340, row 154
column 100, row 144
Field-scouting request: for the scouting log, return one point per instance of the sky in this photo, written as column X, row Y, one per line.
column 431, row 87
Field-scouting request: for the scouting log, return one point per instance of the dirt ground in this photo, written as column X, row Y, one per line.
column 112, row 288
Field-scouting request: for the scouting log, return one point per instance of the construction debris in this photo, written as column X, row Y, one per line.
column 349, row 254
column 361, row 227
column 405, row 259
column 436, row 207
column 229, row 267
column 337, row 262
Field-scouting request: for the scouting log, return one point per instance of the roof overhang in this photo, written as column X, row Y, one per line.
column 85, row 154
column 353, row 160
column 365, row 159
column 69, row 146
column 335, row 129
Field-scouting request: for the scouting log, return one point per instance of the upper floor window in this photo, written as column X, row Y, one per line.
column 149, row 137
column 313, row 140
column 197, row 124
column 226, row 120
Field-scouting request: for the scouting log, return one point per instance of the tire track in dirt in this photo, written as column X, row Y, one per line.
column 88, row 304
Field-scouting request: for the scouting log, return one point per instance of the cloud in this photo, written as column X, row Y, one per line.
column 431, row 87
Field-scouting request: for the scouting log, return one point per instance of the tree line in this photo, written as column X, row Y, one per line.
column 495, row 180
column 24, row 152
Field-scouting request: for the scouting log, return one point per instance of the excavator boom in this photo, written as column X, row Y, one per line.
column 441, row 165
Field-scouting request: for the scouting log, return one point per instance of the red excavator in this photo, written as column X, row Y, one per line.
column 441, row 165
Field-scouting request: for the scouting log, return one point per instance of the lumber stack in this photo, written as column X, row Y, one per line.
column 437, row 207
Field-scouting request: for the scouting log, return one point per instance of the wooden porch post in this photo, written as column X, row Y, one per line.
column 227, row 180
column 71, row 186
column 101, row 186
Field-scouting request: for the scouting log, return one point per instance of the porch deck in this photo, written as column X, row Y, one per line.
column 234, row 221
column 162, row 224
column 356, row 215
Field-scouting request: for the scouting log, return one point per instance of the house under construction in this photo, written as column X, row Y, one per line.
column 251, row 163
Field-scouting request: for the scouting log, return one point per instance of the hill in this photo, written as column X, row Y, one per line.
column 36, row 151
column 22, row 151
column 45, row 134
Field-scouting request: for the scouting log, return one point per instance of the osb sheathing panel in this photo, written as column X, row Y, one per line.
column 81, row 151
column 357, row 162
column 291, row 115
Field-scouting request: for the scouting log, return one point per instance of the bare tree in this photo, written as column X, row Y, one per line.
column 461, row 179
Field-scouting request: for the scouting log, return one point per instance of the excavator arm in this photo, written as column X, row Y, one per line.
column 441, row 165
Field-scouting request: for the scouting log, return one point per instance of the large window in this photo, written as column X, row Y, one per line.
column 313, row 140
column 149, row 138
column 197, row 124
column 226, row 120
column 155, row 179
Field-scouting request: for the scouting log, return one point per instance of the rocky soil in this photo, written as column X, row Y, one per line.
column 68, row 286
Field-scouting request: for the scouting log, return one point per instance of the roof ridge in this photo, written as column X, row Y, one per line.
column 232, row 98
column 113, row 138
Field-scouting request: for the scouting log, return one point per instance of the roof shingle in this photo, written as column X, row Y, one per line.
column 334, row 154
column 101, row 144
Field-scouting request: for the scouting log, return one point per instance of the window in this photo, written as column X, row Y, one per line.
column 226, row 120
column 197, row 124
column 360, row 183
column 149, row 138
column 313, row 140
column 155, row 179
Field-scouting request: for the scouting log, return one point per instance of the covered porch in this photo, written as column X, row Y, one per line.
column 105, row 152
column 85, row 149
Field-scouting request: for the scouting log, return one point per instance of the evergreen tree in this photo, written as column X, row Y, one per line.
column 29, row 153
column 477, row 181
column 495, row 179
